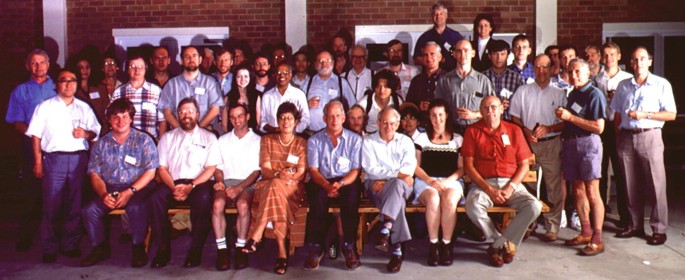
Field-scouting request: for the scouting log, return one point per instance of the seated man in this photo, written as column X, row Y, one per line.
column 235, row 178
column 333, row 155
column 122, row 165
column 496, row 158
column 389, row 160
column 188, row 156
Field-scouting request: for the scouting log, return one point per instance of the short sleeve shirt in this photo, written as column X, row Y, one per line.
column 25, row 98
column 492, row 156
column 655, row 95
column 123, row 164
column 588, row 103
column 466, row 92
column 204, row 89
column 334, row 161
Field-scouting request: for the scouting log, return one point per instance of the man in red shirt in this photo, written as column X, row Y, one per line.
column 496, row 159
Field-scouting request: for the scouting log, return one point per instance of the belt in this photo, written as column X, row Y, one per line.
column 547, row 138
column 67, row 153
column 637, row 130
column 576, row 136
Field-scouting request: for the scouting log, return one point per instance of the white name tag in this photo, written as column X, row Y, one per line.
column 259, row 88
column 505, row 93
column 200, row 91
column 343, row 164
column 447, row 46
column 94, row 95
column 333, row 92
column 148, row 106
column 130, row 160
column 530, row 81
column 505, row 140
column 575, row 107
column 293, row 159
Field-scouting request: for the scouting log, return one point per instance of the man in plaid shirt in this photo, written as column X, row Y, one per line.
column 504, row 80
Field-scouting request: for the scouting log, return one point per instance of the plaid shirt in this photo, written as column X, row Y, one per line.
column 526, row 72
column 504, row 85
column 145, row 101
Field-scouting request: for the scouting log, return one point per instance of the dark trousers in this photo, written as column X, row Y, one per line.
column 318, row 219
column 611, row 154
column 95, row 212
column 200, row 200
column 63, row 176
column 29, row 212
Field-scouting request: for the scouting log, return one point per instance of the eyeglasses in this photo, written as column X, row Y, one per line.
column 276, row 57
column 283, row 73
column 358, row 57
column 387, row 123
column 136, row 67
column 258, row 64
column 324, row 61
column 641, row 59
column 287, row 118
column 62, row 81
column 110, row 63
column 542, row 66
column 395, row 50
column 187, row 112
column 409, row 118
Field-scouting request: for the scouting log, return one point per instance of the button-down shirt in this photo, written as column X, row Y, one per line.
column 26, row 97
column 122, row 164
column 239, row 156
column 145, row 99
column 606, row 84
column 505, row 85
column 204, row 89
column 558, row 82
column 655, row 95
column 491, row 157
column 383, row 161
column 446, row 40
column 359, row 83
column 224, row 83
column 372, row 114
column 297, row 82
column 326, row 90
column 422, row 87
column 334, row 161
column 272, row 99
column 527, row 72
column 186, row 154
column 533, row 105
column 407, row 72
column 54, row 121
column 466, row 92
column 588, row 103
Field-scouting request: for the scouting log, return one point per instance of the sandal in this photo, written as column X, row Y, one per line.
column 251, row 246
column 281, row 266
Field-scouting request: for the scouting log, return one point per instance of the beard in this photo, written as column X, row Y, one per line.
column 394, row 61
column 190, row 68
column 187, row 124
column 261, row 73
column 325, row 71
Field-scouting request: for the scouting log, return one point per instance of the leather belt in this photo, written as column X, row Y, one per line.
column 547, row 138
column 637, row 130
column 67, row 153
column 575, row 136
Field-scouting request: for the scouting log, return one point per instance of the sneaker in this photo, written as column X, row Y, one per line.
column 575, row 221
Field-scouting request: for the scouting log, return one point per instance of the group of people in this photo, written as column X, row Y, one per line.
column 271, row 140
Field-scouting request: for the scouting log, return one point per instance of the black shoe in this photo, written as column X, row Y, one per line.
column 352, row 261
column 49, row 258
column 251, row 246
column 125, row 238
column 161, row 259
column 139, row 256
column 446, row 254
column 395, row 264
column 631, row 233
column 193, row 259
column 176, row 233
column 223, row 259
column 313, row 259
column 657, row 239
column 433, row 253
column 281, row 266
column 240, row 258
column 383, row 242
column 100, row 253
column 72, row 253
column 23, row 245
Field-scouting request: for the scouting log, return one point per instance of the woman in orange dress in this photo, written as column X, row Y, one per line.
column 280, row 193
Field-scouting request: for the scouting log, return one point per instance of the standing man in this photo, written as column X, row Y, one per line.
column 359, row 76
column 324, row 87
column 60, row 129
column 521, row 49
column 191, row 83
column 339, row 45
column 235, row 178
column 261, row 67
column 300, row 68
column 532, row 107
column 333, row 156
column 389, row 159
column 594, row 56
column 464, row 88
column 496, row 158
column 422, row 88
column 145, row 98
column 23, row 101
column 584, row 117
column 160, row 61
column 122, row 167
column 394, row 51
column 442, row 35
column 188, row 156
column 563, row 79
column 207, row 66
column 607, row 81
column 504, row 80
column 642, row 105
column 223, row 75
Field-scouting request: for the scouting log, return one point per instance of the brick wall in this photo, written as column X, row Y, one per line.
column 21, row 30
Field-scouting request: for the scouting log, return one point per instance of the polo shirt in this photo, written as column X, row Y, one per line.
column 491, row 157
column 588, row 103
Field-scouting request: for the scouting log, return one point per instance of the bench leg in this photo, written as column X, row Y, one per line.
column 147, row 240
column 506, row 219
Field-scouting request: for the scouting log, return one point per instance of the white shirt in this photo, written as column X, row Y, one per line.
column 407, row 72
column 371, row 126
column 359, row 83
column 606, row 83
column 383, row 161
column 239, row 156
column 53, row 122
column 186, row 154
column 533, row 104
column 272, row 99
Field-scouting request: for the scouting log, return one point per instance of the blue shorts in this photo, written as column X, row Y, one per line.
column 582, row 158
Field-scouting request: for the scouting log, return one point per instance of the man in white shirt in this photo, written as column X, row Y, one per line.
column 359, row 76
column 60, row 129
column 235, row 178
column 188, row 156
column 394, row 51
column 281, row 93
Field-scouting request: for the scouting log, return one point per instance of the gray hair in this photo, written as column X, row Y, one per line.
column 389, row 108
column 334, row 102
column 433, row 43
column 36, row 52
column 437, row 6
column 582, row 62
column 366, row 52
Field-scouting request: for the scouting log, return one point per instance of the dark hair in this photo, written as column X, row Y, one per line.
column 439, row 102
column 611, row 45
column 487, row 17
column 409, row 109
column 121, row 105
column 111, row 56
column 287, row 50
column 133, row 57
column 221, row 51
column 392, row 43
column 498, row 46
column 187, row 100
column 389, row 76
column 238, row 105
column 288, row 107
column 520, row 37
column 549, row 48
column 234, row 82
column 563, row 48
column 262, row 55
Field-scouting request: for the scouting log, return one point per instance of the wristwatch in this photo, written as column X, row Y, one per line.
column 649, row 115
column 133, row 190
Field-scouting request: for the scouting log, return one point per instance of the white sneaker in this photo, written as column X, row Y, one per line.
column 563, row 222
column 575, row 221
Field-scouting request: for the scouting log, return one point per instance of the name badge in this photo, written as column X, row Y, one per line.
column 259, row 88
column 94, row 95
column 530, row 81
column 505, row 140
column 478, row 94
column 333, row 92
column 130, row 160
column 148, row 106
column 344, row 164
column 293, row 159
column 505, row 93
column 575, row 107
column 447, row 46
column 200, row 91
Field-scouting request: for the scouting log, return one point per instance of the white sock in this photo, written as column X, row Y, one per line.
column 240, row 242
column 433, row 241
column 446, row 241
column 221, row 243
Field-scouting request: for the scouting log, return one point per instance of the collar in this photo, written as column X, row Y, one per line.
column 649, row 81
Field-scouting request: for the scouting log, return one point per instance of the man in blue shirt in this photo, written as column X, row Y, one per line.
column 445, row 37
column 122, row 164
column 520, row 46
column 23, row 102
column 333, row 156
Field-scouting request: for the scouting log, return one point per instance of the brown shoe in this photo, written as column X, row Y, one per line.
column 549, row 237
column 352, row 261
column 592, row 249
column 383, row 243
column 508, row 252
column 495, row 256
column 100, row 253
column 312, row 262
column 139, row 256
column 631, row 233
column 223, row 259
column 446, row 254
column 240, row 258
column 657, row 239
column 395, row 264
column 578, row 240
column 433, row 253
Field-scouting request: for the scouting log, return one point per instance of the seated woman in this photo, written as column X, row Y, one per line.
column 280, row 193
column 437, row 184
